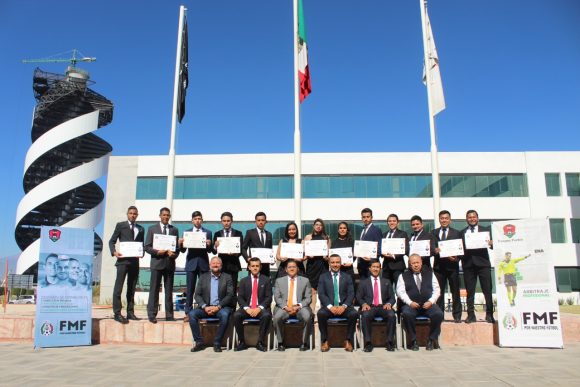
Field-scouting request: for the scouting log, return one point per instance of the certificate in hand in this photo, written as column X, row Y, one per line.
column 451, row 248
column 393, row 246
column 265, row 255
column 292, row 250
column 131, row 249
column 423, row 248
column 316, row 248
column 164, row 242
column 345, row 254
column 228, row 245
column 365, row 249
column 194, row 240
column 477, row 240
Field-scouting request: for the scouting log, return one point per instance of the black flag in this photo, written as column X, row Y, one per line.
column 183, row 74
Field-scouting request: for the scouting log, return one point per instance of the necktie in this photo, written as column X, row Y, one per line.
column 414, row 237
column 165, row 229
column 335, row 283
column 254, row 304
column 291, row 292
column 262, row 238
column 443, row 234
column 227, row 233
column 390, row 234
column 472, row 228
column 363, row 233
column 376, row 293
column 133, row 230
column 418, row 280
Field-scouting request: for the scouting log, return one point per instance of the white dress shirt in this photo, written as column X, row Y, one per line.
column 402, row 291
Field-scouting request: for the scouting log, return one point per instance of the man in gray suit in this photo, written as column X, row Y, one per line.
column 292, row 295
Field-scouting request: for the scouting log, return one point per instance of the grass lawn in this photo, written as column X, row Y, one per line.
column 575, row 309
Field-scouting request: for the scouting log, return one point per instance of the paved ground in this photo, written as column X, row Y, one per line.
column 116, row 365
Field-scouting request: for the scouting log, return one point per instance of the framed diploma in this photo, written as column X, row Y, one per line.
column 365, row 249
column 316, row 248
column 194, row 240
column 393, row 246
column 164, row 242
column 131, row 249
column 423, row 248
column 451, row 248
column 477, row 240
column 345, row 254
column 292, row 250
column 265, row 255
column 229, row 245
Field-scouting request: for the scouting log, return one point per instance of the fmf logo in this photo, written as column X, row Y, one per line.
column 509, row 230
column 532, row 318
column 65, row 325
column 54, row 234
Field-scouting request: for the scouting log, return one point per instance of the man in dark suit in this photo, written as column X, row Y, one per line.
column 336, row 294
column 376, row 297
column 419, row 234
column 254, row 298
column 214, row 296
column 419, row 291
column 476, row 264
column 162, row 266
column 231, row 261
column 196, row 261
column 447, row 269
column 371, row 233
column 394, row 265
column 127, row 267
column 258, row 238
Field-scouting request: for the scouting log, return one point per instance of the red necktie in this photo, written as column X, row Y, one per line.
column 254, row 304
column 376, row 293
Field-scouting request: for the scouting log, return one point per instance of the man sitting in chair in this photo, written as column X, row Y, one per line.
column 419, row 291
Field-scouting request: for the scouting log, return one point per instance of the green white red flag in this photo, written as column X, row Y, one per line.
column 303, row 68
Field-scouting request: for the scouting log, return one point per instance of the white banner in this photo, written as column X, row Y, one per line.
column 525, row 282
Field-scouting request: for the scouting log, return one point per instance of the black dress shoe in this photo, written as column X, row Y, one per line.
column 368, row 348
column 436, row 344
column 152, row 320
column 241, row 347
column 217, row 348
column 390, row 346
column 120, row 318
column 470, row 319
column 169, row 318
column 414, row 345
column 260, row 347
column 131, row 316
column 429, row 345
column 457, row 320
column 303, row 347
column 281, row 347
column 489, row 318
column 198, row 347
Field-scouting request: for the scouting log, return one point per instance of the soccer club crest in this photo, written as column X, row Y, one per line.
column 46, row 329
column 509, row 230
column 54, row 234
column 509, row 322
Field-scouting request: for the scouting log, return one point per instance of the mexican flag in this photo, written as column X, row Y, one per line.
column 303, row 69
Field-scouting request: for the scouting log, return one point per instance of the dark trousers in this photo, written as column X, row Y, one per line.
column 198, row 314
column 389, row 319
column 265, row 317
column 324, row 314
column 392, row 275
column 265, row 269
column 452, row 276
column 190, row 281
column 234, row 275
column 153, row 303
column 131, row 272
column 435, row 315
column 470, row 274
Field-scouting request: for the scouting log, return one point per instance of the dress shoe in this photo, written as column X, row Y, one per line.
column 217, row 348
column 429, row 345
column 489, row 318
column 186, row 318
column 261, row 347
column 120, row 318
column 457, row 320
column 324, row 347
column 436, row 344
column 198, row 347
column 131, row 316
column 368, row 348
column 241, row 347
column 152, row 320
column 470, row 319
column 303, row 347
column 348, row 346
column 169, row 318
column 414, row 345
column 390, row 346
column 281, row 347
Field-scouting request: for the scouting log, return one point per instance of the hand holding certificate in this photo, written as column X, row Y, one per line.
column 194, row 240
column 131, row 249
column 265, row 255
column 164, row 242
column 365, row 249
column 292, row 250
column 451, row 248
column 477, row 240
column 422, row 248
column 316, row 248
column 393, row 246
column 228, row 245
column 345, row 253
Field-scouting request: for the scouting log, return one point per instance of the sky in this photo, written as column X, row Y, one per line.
column 510, row 73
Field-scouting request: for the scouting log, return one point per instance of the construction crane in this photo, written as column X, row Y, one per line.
column 72, row 72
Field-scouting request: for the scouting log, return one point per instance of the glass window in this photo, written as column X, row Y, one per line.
column 557, row 231
column 151, row 188
column 573, row 184
column 513, row 185
column 575, row 227
column 233, row 187
column 552, row 184
column 361, row 186
column 567, row 279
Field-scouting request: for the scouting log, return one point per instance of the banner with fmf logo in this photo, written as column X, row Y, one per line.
column 64, row 294
column 527, row 300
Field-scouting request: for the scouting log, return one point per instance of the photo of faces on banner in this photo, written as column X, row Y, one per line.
column 59, row 270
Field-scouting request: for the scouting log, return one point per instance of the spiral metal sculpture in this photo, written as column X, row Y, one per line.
column 63, row 161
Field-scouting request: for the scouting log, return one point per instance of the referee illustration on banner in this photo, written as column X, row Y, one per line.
column 508, row 268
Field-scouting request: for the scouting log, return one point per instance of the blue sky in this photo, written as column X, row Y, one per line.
column 510, row 74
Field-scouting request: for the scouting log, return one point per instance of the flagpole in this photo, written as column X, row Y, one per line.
column 297, row 140
column 171, row 171
column 434, row 153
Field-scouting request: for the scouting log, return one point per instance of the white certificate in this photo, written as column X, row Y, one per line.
column 228, row 245
column 393, row 246
column 477, row 240
column 316, row 248
column 131, row 249
column 345, row 254
column 450, row 248
column 164, row 242
column 423, row 248
column 194, row 239
column 292, row 250
column 367, row 249
column 265, row 255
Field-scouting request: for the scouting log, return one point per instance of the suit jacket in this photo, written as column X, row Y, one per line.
column 398, row 263
column 264, row 292
column 198, row 258
column 426, row 236
column 444, row 263
column 160, row 262
column 475, row 257
column 231, row 262
column 326, row 289
column 365, row 292
column 123, row 233
column 252, row 239
column 225, row 291
column 303, row 291
column 373, row 234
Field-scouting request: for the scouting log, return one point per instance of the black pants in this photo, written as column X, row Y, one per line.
column 389, row 319
column 435, row 315
column 153, row 303
column 324, row 314
column 470, row 274
column 129, row 270
column 452, row 276
column 234, row 275
column 265, row 317
column 392, row 275
column 190, row 281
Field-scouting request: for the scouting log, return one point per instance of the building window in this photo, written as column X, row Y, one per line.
column 512, row 185
column 151, row 188
column 568, row 279
column 553, row 184
column 557, row 231
column 361, row 186
column 573, row 184
column 234, row 187
column 575, row 227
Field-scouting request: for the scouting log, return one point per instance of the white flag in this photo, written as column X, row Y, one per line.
column 435, row 87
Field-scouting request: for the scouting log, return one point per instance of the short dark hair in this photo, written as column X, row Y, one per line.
column 254, row 259
column 164, row 209
column 196, row 213
column 227, row 213
column 373, row 262
column 416, row 217
column 471, row 212
column 366, row 210
column 132, row 208
column 393, row 216
column 444, row 212
column 261, row 213
column 334, row 255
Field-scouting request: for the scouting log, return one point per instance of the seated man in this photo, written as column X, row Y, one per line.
column 418, row 291
column 255, row 298
column 336, row 293
column 214, row 296
column 292, row 296
column 375, row 295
